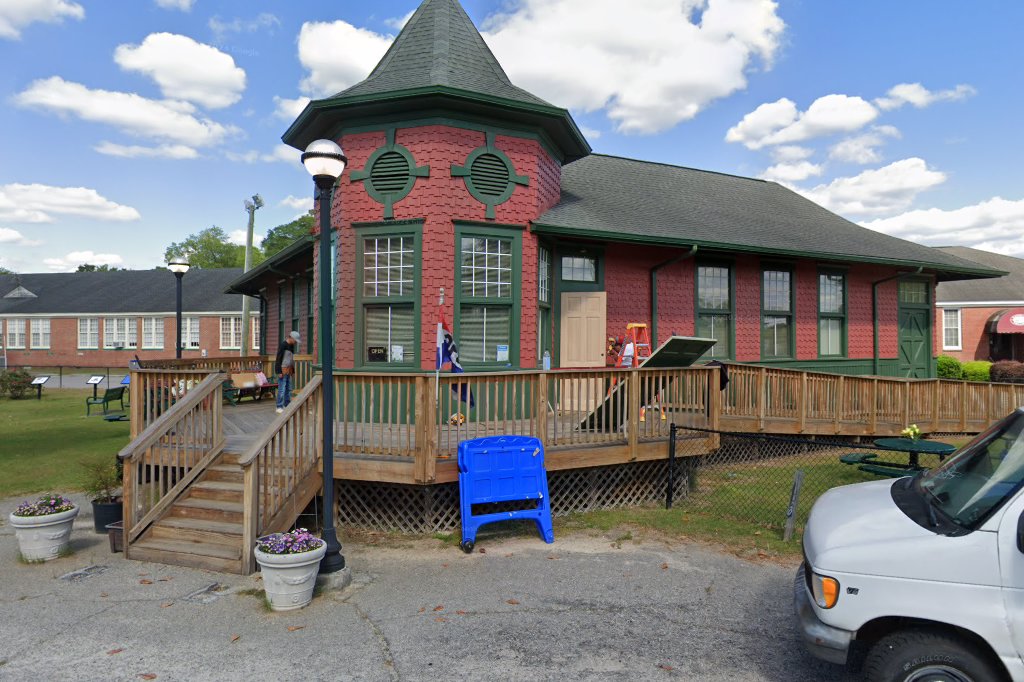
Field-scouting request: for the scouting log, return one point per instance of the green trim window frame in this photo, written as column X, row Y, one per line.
column 295, row 306
column 280, row 312
column 777, row 306
column 88, row 333
column 152, row 333
column 714, row 307
column 913, row 293
column 39, row 337
column 388, row 296
column 544, row 272
column 952, row 335
column 488, row 280
column 832, row 307
column 309, row 315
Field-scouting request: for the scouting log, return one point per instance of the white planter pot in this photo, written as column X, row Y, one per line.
column 42, row 538
column 289, row 579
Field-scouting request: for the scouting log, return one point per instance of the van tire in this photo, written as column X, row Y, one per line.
column 897, row 657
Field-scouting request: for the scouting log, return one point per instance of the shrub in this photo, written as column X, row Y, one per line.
column 977, row 370
column 1008, row 371
column 15, row 383
column 950, row 368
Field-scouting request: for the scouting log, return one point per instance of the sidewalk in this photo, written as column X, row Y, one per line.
column 586, row 607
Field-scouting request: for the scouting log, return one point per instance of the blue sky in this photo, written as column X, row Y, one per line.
column 130, row 124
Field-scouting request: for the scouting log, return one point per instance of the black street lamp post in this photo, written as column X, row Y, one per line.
column 326, row 162
column 179, row 266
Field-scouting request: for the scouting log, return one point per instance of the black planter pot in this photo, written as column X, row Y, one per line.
column 104, row 513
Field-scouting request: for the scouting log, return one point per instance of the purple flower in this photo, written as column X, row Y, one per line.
column 293, row 542
column 50, row 503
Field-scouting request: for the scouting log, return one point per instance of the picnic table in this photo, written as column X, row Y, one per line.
column 914, row 447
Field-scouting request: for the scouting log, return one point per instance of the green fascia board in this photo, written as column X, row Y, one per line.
column 315, row 120
column 562, row 230
column 246, row 283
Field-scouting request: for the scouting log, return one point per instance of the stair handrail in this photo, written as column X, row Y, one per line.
column 141, row 510
column 268, row 486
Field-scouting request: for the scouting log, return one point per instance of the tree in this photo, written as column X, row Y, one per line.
column 210, row 248
column 89, row 267
column 5, row 271
column 283, row 235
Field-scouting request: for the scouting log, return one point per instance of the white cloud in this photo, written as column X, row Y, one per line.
column 36, row 203
column 237, row 25
column 398, row 23
column 238, row 237
column 183, row 5
column 863, row 149
column 18, row 14
column 788, row 153
column 11, row 236
column 297, row 203
column 71, row 261
column 337, row 55
column 920, row 97
column 590, row 133
column 164, row 151
column 993, row 225
column 281, row 152
column 649, row 68
column 136, row 115
column 877, row 191
column 185, row 69
column 289, row 109
column 779, row 122
column 792, row 172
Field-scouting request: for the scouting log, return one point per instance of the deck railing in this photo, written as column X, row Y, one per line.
column 154, row 391
column 170, row 453
column 281, row 468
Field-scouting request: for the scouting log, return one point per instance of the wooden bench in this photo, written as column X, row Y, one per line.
column 109, row 396
column 245, row 385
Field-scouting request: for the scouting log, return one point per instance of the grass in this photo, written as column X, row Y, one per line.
column 46, row 441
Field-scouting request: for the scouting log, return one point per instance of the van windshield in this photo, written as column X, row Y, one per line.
column 986, row 472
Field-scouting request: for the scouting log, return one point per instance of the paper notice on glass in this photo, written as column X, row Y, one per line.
column 502, row 354
column 397, row 353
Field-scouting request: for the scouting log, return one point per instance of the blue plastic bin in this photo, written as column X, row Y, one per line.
column 502, row 469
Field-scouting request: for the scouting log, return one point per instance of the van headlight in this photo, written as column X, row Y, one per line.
column 825, row 590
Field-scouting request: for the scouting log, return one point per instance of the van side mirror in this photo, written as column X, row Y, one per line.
column 1020, row 533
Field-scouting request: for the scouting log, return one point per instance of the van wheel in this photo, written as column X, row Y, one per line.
column 928, row 656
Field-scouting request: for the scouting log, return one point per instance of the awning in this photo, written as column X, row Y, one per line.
column 1009, row 321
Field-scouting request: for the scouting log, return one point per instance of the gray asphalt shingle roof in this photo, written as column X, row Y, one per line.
column 1008, row 288
column 128, row 291
column 625, row 199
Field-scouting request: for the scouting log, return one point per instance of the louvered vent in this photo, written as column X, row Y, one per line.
column 390, row 173
column 490, row 175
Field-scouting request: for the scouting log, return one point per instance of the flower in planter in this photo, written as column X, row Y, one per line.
column 293, row 542
column 47, row 504
column 911, row 432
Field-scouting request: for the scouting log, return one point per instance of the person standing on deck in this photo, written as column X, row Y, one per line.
column 284, row 368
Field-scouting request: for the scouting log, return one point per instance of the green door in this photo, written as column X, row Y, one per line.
column 915, row 339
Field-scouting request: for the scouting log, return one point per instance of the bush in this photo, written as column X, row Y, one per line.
column 950, row 368
column 977, row 370
column 1008, row 371
column 15, row 383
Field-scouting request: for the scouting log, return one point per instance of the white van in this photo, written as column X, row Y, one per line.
column 922, row 578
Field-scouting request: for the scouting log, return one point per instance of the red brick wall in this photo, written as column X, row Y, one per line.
column 974, row 339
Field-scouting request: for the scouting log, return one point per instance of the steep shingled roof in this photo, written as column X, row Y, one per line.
column 621, row 199
column 1005, row 289
column 120, row 292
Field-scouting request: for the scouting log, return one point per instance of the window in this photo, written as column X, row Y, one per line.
column 388, row 299
column 776, row 314
column 543, row 304
column 231, row 333
column 120, row 332
column 254, row 343
column 914, row 293
column 951, row 331
column 486, row 299
column 309, row 315
column 295, row 306
column 153, row 333
column 40, row 333
column 579, row 269
column 714, row 309
column 280, row 312
column 88, row 332
column 831, row 313
column 16, row 333
column 190, row 332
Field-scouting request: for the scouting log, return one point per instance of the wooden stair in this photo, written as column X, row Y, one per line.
column 202, row 529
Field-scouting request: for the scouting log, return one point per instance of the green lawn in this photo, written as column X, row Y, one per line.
column 45, row 442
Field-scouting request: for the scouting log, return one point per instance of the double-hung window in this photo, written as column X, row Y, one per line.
column 714, row 309
column 543, row 304
column 776, row 314
column 388, row 297
column 231, row 333
column 153, row 333
column 40, row 333
column 254, row 342
column 88, row 332
column 952, row 338
column 831, row 314
column 190, row 332
column 16, row 332
column 488, row 279
column 120, row 333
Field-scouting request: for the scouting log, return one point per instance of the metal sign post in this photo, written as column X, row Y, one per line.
column 38, row 383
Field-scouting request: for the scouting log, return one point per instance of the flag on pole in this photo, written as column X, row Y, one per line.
column 448, row 353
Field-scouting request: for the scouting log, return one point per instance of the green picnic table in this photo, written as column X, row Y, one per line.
column 867, row 461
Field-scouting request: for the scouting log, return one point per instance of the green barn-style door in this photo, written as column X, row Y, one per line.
column 915, row 338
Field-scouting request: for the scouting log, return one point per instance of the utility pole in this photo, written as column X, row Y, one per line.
column 251, row 207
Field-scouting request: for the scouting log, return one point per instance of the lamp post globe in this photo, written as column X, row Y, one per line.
column 179, row 266
column 325, row 161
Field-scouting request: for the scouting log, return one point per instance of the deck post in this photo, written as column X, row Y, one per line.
column 426, row 445
column 874, row 406
column 963, row 406
column 906, row 402
column 130, row 480
column 762, row 395
column 135, row 403
column 840, row 402
column 715, row 406
column 936, row 394
column 250, row 516
column 802, row 398
column 633, row 412
column 989, row 404
column 541, row 407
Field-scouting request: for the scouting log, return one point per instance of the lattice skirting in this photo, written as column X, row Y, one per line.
column 430, row 508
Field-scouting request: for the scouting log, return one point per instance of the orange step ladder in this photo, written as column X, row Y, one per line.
column 637, row 335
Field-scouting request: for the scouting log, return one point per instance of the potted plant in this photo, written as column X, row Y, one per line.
column 103, row 484
column 43, row 527
column 911, row 432
column 289, row 563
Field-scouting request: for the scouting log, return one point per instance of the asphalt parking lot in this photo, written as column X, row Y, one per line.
column 588, row 607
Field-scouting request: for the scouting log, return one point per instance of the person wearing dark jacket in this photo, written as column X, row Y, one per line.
column 284, row 368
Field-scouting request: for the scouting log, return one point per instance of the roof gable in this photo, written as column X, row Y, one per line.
column 1009, row 288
